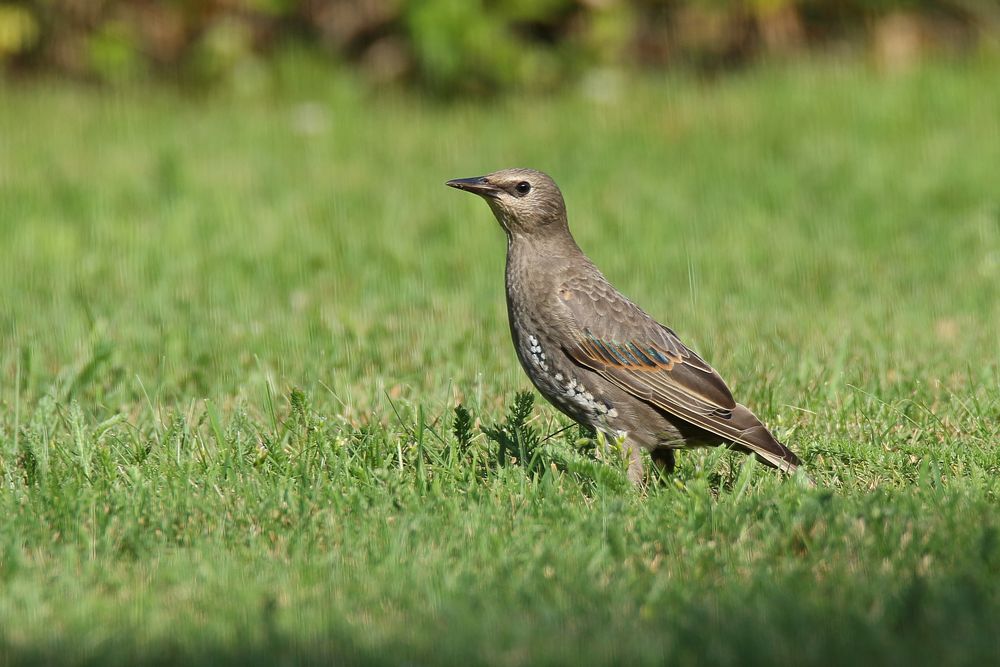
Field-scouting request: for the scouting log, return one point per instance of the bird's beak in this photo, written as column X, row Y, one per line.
column 477, row 186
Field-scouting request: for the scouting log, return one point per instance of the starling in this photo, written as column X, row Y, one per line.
column 595, row 355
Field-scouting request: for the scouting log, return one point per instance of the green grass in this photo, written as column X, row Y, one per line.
column 233, row 334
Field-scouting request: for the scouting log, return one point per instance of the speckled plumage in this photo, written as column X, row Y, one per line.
column 594, row 354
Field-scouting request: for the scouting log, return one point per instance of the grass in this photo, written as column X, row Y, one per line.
column 233, row 335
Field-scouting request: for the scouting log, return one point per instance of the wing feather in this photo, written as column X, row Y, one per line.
column 617, row 340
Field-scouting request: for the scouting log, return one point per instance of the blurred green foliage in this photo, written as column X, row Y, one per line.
column 460, row 46
column 18, row 30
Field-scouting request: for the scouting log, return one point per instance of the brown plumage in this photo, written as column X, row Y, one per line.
column 597, row 356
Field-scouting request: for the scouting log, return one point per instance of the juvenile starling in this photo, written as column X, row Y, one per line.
column 595, row 355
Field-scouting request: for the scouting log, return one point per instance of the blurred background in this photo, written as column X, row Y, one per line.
column 452, row 47
column 205, row 193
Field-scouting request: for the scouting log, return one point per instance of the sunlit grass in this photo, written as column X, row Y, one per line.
column 234, row 334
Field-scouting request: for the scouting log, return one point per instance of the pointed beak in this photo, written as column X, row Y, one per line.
column 477, row 186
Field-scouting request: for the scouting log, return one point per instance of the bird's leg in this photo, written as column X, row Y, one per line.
column 623, row 449
column 663, row 461
column 635, row 474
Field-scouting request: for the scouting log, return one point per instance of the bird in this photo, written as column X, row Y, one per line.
column 594, row 354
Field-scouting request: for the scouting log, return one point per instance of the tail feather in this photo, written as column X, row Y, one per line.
column 754, row 437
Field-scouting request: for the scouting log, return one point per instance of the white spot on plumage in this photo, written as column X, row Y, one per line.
column 537, row 356
column 575, row 394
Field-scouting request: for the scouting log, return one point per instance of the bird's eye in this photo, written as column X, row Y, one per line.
column 523, row 188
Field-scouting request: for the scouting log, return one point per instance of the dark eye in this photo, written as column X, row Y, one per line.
column 523, row 188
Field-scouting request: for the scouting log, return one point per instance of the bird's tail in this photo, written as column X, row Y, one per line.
column 754, row 437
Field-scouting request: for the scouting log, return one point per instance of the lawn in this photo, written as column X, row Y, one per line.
column 233, row 334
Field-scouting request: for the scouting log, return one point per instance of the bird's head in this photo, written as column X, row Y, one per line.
column 525, row 202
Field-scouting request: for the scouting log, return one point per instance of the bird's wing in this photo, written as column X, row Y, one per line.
column 616, row 339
